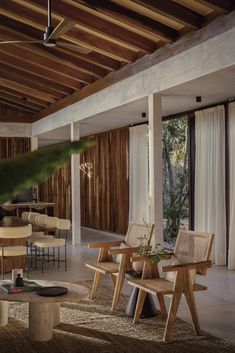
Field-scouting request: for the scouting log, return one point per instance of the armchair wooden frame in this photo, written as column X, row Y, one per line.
column 183, row 284
column 106, row 265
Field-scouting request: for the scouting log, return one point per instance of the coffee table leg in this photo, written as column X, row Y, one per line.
column 3, row 313
column 56, row 314
column 40, row 321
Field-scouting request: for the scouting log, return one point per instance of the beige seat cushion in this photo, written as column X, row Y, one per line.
column 13, row 251
column 38, row 236
column 49, row 243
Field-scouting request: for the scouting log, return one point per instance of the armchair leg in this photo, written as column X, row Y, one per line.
column 139, row 305
column 117, row 291
column 162, row 305
column 175, row 300
column 96, row 282
column 189, row 295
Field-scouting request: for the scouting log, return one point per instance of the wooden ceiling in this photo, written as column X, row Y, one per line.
column 115, row 32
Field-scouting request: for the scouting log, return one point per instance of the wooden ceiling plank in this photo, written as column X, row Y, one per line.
column 23, row 96
column 16, row 77
column 128, row 19
column 18, row 106
column 34, row 19
column 47, row 60
column 26, row 64
column 35, row 78
column 171, row 10
column 18, row 100
column 101, row 28
column 93, row 57
column 24, row 89
column 219, row 5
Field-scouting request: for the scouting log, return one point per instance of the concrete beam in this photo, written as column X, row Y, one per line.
column 15, row 130
column 211, row 55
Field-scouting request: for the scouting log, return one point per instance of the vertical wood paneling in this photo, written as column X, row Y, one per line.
column 105, row 196
column 11, row 146
column 58, row 189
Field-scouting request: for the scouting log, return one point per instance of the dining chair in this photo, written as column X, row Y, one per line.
column 59, row 241
column 190, row 258
column 106, row 264
column 22, row 233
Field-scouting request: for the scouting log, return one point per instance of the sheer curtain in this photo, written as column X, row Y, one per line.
column 231, row 139
column 139, row 179
column 210, row 211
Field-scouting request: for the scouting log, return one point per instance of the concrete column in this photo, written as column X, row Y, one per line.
column 34, row 143
column 75, row 188
column 155, row 166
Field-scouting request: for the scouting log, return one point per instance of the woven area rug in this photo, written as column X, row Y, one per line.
column 91, row 327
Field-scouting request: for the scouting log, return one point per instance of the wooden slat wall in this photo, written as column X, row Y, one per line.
column 58, row 189
column 11, row 146
column 105, row 196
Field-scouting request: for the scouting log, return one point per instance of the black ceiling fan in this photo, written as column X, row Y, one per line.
column 51, row 35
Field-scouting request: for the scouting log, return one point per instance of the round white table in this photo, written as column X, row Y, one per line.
column 44, row 312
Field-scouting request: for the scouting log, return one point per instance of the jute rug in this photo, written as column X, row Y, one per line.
column 91, row 327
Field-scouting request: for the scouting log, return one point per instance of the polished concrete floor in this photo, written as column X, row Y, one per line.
column 216, row 306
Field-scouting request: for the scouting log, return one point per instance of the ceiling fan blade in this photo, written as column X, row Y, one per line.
column 62, row 28
column 75, row 47
column 21, row 42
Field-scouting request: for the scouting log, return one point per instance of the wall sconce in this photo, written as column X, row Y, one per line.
column 86, row 168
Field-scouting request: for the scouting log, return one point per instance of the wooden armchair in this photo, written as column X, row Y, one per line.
column 191, row 257
column 107, row 265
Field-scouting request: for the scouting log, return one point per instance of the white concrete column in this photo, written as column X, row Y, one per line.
column 75, row 188
column 34, row 143
column 155, row 165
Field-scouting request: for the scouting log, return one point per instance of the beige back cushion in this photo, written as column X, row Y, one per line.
column 15, row 232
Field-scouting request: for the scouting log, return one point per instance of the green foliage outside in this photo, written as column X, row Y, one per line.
column 175, row 166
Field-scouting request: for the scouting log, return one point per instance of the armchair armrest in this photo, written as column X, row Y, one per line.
column 104, row 245
column 167, row 256
column 187, row 266
column 130, row 250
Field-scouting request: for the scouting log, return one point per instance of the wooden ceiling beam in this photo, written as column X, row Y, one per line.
column 27, row 16
column 16, row 105
column 170, row 10
column 34, row 78
column 94, row 25
column 15, row 76
column 14, row 115
column 12, row 58
column 24, row 89
column 93, row 57
column 24, row 96
column 128, row 19
column 219, row 5
column 53, row 53
column 44, row 58
column 24, row 102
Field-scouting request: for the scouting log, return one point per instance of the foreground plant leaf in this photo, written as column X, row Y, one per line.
column 19, row 173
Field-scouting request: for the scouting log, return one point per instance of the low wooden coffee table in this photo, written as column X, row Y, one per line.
column 44, row 312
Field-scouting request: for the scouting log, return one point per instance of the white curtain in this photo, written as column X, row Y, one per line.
column 231, row 139
column 139, row 179
column 210, row 211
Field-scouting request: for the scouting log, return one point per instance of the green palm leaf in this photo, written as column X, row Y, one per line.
column 19, row 173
